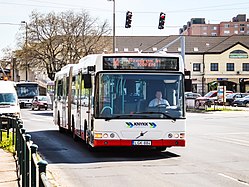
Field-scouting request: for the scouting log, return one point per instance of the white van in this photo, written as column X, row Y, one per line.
column 8, row 99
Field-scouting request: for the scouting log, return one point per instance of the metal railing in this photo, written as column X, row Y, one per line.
column 31, row 169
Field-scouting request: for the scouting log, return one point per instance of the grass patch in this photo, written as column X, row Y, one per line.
column 6, row 143
column 223, row 108
column 214, row 108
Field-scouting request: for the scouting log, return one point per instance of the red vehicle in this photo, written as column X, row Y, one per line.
column 208, row 99
column 39, row 102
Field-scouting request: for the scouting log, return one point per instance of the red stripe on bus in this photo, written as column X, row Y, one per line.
column 154, row 143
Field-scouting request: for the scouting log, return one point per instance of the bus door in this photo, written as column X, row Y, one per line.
column 74, row 89
column 78, row 103
column 64, row 103
column 86, row 103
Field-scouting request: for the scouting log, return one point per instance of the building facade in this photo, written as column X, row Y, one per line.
column 211, row 61
column 197, row 26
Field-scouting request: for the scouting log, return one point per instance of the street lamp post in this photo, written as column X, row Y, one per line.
column 26, row 45
column 113, row 30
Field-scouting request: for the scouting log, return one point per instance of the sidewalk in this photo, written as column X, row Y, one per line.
column 8, row 174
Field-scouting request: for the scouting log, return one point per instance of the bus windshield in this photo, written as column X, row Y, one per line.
column 129, row 95
column 27, row 90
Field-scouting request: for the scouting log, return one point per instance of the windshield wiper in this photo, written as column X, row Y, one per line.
column 139, row 114
column 123, row 115
column 162, row 113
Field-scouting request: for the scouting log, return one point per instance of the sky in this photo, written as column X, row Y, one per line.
column 144, row 20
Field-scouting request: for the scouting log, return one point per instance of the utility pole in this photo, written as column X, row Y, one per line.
column 26, row 46
column 114, row 27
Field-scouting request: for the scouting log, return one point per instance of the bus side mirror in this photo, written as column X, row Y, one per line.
column 87, row 81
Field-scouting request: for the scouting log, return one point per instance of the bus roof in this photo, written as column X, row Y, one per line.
column 25, row 82
column 64, row 71
column 96, row 60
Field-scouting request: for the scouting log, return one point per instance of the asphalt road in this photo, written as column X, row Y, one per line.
column 216, row 154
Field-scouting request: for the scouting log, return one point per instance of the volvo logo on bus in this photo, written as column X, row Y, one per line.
column 141, row 124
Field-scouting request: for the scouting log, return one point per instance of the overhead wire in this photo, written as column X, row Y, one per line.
column 77, row 6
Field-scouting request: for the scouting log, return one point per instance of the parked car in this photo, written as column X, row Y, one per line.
column 191, row 95
column 190, row 99
column 231, row 97
column 39, row 102
column 208, row 99
column 244, row 101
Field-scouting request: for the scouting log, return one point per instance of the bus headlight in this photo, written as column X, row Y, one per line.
column 176, row 135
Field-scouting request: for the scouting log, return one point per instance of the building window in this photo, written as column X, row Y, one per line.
column 214, row 67
column 226, row 32
column 230, row 66
column 242, row 25
column 242, row 29
column 214, row 28
column 238, row 54
column 235, row 25
column 196, row 67
column 204, row 28
column 213, row 34
column 245, row 66
column 247, row 25
column 226, row 25
column 236, row 32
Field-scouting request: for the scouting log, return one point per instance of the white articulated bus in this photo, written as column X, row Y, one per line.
column 104, row 100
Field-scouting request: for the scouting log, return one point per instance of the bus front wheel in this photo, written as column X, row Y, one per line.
column 161, row 148
column 75, row 138
column 59, row 123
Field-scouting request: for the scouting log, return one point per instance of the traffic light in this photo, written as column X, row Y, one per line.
column 161, row 20
column 128, row 19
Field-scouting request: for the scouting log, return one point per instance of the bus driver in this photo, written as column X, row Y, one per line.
column 158, row 100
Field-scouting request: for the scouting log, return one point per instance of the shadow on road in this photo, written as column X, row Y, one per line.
column 55, row 147
column 42, row 113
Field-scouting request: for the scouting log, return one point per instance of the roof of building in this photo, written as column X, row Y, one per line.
column 193, row 44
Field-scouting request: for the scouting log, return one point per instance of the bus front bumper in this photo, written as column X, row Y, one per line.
column 130, row 143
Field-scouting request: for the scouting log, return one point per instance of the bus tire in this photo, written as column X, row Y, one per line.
column 162, row 148
column 59, row 123
column 75, row 138
column 85, row 126
column 91, row 149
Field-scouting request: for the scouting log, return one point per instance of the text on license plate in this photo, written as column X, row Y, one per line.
column 135, row 142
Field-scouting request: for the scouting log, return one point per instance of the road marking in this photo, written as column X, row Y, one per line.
column 35, row 119
column 234, row 179
column 234, row 141
column 220, row 137
column 228, row 133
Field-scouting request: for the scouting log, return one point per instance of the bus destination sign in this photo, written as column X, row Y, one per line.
column 141, row 63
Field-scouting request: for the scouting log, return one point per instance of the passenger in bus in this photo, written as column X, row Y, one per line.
column 158, row 101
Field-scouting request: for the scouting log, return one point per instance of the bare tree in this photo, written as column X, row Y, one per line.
column 55, row 40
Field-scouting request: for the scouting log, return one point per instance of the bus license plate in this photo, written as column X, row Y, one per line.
column 146, row 143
